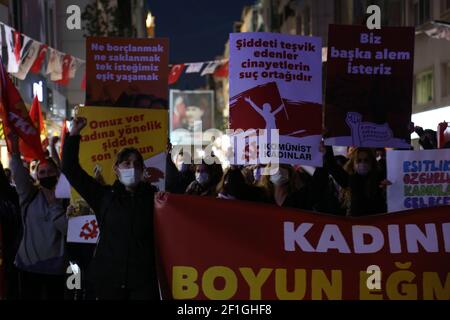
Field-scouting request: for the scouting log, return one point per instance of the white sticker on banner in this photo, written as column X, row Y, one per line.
column 83, row 229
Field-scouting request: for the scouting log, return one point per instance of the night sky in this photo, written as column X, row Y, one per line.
column 197, row 29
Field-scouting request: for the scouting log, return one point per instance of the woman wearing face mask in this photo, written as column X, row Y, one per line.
column 283, row 190
column 233, row 186
column 41, row 256
column 10, row 229
column 207, row 176
column 363, row 185
column 123, row 266
column 178, row 175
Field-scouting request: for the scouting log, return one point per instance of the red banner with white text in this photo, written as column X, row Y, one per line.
column 220, row 249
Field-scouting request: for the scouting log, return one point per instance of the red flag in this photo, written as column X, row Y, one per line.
column 16, row 118
column 37, row 65
column 442, row 135
column 64, row 131
column 83, row 82
column 38, row 122
column 67, row 60
column 36, row 115
column 175, row 73
column 17, row 46
column 222, row 71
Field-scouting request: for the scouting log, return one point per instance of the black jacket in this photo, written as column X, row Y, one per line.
column 367, row 197
column 125, row 254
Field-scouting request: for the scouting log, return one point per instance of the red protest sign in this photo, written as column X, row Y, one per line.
column 127, row 72
column 369, row 86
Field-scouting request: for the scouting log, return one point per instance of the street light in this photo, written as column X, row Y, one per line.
column 150, row 24
column 149, row 20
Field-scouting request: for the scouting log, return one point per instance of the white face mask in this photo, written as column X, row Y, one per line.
column 362, row 169
column 201, row 177
column 280, row 178
column 128, row 177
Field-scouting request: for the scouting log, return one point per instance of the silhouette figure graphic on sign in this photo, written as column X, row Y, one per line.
column 266, row 113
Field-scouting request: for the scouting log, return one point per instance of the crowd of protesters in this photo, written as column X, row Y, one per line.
column 34, row 221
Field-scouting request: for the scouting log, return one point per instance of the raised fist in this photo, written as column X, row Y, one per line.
column 78, row 124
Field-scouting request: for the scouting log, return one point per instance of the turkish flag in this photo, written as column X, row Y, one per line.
column 222, row 71
column 37, row 65
column 175, row 73
column 67, row 61
column 15, row 117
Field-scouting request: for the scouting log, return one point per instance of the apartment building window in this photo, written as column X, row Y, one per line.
column 307, row 21
column 288, row 11
column 338, row 11
column 359, row 11
column 447, row 80
column 299, row 23
column 424, row 87
column 343, row 12
column 422, row 11
column 49, row 24
column 17, row 15
column 392, row 13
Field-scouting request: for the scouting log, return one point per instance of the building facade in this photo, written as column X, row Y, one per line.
column 46, row 22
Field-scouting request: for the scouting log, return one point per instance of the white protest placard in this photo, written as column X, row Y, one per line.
column 276, row 83
column 62, row 190
column 419, row 179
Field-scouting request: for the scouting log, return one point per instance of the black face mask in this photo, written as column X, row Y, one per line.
column 48, row 182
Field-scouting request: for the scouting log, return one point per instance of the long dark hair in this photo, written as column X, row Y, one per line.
column 371, row 186
column 124, row 153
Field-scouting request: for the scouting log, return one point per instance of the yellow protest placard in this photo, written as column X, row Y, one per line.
column 109, row 129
